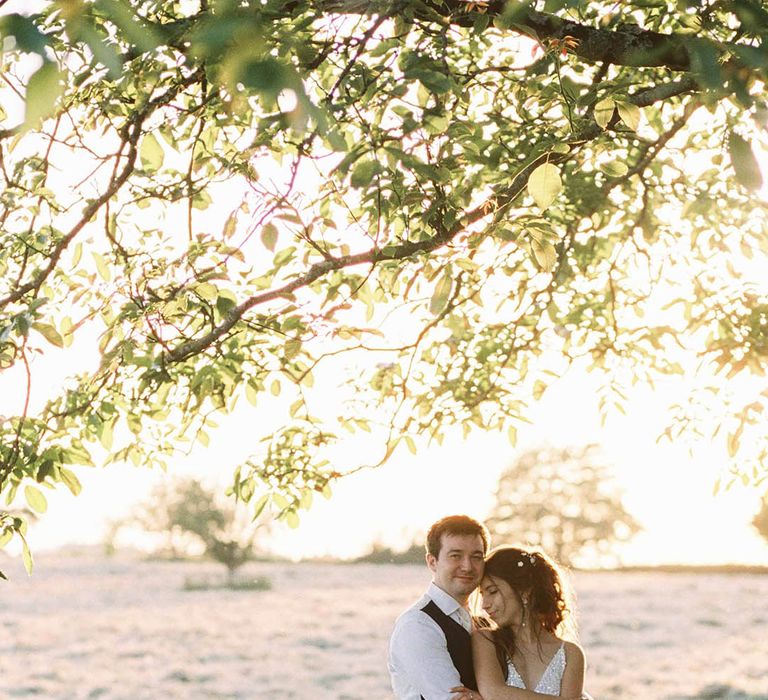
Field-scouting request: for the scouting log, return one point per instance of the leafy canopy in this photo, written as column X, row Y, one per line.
column 226, row 197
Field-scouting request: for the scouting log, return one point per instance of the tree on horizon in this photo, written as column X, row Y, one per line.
column 452, row 201
column 187, row 513
column 562, row 501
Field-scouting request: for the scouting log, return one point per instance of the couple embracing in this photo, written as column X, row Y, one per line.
column 438, row 651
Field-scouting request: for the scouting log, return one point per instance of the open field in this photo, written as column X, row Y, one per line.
column 121, row 629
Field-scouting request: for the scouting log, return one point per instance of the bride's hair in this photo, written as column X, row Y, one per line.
column 532, row 575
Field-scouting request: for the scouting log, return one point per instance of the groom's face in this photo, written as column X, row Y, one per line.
column 458, row 567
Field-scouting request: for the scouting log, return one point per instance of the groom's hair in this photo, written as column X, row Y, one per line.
column 454, row 525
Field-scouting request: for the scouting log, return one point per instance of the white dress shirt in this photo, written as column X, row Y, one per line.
column 419, row 662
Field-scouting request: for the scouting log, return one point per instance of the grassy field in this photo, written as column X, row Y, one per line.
column 85, row 627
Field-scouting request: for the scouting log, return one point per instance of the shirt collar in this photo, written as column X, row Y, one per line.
column 447, row 603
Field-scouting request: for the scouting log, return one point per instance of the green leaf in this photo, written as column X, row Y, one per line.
column 364, row 172
column 604, row 112
column 71, row 481
column 35, row 499
column 436, row 123
column 410, row 444
column 225, row 303
column 544, row 184
column 29, row 38
column 101, row 267
column 744, row 163
column 251, row 393
column 630, row 114
column 49, row 333
column 131, row 25
column 734, row 442
column 275, row 387
column 259, row 506
column 151, row 152
column 512, row 435
column 291, row 324
column 67, row 331
column 539, row 388
column 545, row 254
column 43, row 89
column 284, row 256
column 442, row 293
column 26, row 554
column 202, row 200
column 269, row 236
column 614, row 168
column 292, row 518
column 134, row 425
column 77, row 454
column 103, row 49
column 107, row 434
column 336, row 141
column 230, row 225
column 207, row 291
column 11, row 493
column 433, row 80
column 292, row 348
column 268, row 77
column 306, row 499
column 705, row 64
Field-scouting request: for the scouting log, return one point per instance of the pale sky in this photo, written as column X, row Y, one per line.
column 669, row 492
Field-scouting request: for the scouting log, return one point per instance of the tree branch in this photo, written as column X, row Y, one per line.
column 627, row 45
column 130, row 137
column 410, row 248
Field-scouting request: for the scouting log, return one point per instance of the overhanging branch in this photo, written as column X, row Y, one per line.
column 407, row 249
column 625, row 45
column 130, row 138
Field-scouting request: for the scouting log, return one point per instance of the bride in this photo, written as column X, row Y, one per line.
column 521, row 654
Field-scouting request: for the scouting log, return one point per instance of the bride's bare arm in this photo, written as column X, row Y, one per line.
column 573, row 676
column 491, row 682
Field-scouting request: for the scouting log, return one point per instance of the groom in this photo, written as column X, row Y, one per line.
column 430, row 650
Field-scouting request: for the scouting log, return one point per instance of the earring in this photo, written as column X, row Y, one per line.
column 525, row 612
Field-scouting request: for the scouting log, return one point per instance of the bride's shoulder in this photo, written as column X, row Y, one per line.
column 573, row 652
column 483, row 633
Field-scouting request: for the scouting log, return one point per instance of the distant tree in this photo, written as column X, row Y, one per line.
column 760, row 521
column 188, row 513
column 380, row 554
column 559, row 499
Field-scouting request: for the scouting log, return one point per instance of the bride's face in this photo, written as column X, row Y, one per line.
column 500, row 601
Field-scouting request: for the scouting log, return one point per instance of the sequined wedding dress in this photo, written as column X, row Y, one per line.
column 549, row 683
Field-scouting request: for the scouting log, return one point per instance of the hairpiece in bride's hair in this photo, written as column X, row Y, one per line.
column 531, row 558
